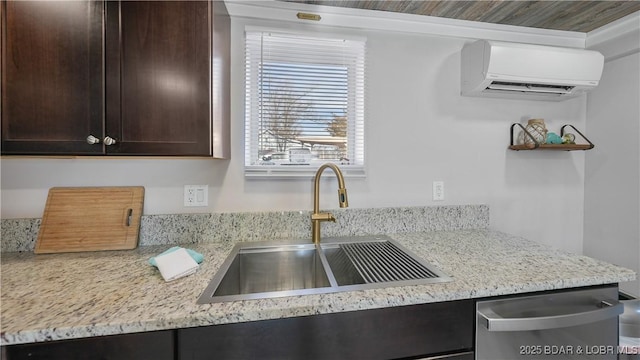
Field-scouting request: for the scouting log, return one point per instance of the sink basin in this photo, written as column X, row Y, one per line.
column 267, row 270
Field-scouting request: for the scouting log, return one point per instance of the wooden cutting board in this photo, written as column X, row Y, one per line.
column 79, row 219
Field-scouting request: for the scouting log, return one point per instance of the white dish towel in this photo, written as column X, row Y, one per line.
column 176, row 264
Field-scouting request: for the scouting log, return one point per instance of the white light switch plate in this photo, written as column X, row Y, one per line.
column 196, row 195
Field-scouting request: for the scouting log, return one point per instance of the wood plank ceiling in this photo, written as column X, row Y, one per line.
column 580, row 16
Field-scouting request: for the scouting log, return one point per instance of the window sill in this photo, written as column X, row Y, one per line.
column 289, row 172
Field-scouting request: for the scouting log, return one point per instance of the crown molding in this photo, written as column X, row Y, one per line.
column 622, row 27
column 398, row 22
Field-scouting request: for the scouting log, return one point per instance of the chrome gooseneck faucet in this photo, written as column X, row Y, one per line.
column 317, row 216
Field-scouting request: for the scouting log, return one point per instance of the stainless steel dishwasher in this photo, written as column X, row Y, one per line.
column 580, row 324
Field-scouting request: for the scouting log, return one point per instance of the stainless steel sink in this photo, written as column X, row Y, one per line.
column 267, row 270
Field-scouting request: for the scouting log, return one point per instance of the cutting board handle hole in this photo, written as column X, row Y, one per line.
column 129, row 216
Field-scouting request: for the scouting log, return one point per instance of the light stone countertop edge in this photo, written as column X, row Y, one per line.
column 78, row 295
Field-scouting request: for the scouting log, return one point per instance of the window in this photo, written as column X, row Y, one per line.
column 304, row 103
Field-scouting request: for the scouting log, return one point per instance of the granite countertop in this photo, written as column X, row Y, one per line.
column 65, row 296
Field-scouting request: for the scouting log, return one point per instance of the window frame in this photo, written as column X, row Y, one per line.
column 356, row 122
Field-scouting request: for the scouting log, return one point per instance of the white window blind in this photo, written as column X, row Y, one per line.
column 304, row 103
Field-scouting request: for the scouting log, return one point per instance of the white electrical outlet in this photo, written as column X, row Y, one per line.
column 438, row 190
column 196, row 195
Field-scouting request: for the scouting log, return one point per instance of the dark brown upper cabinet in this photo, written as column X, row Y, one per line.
column 52, row 86
column 139, row 78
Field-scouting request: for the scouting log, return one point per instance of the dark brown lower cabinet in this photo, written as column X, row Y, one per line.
column 398, row 332
column 157, row 345
column 416, row 331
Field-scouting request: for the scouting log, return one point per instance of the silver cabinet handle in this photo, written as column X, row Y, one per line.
column 91, row 140
column 109, row 141
column 495, row 322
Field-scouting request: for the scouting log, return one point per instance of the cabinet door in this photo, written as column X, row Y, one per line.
column 158, row 71
column 158, row 345
column 390, row 333
column 52, row 88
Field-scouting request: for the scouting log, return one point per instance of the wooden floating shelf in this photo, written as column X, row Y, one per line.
column 557, row 147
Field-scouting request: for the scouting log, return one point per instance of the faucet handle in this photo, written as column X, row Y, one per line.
column 323, row 217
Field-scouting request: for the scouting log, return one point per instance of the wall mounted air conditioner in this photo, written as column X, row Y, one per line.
column 525, row 71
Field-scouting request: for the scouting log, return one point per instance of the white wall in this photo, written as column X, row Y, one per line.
column 419, row 129
column 612, row 178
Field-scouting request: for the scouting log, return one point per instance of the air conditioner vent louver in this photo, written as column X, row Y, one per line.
column 530, row 88
column 527, row 71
